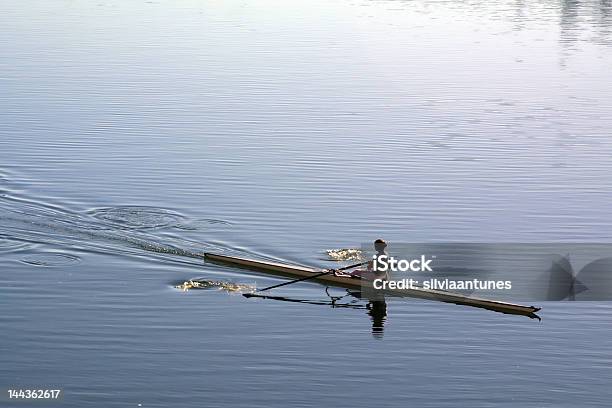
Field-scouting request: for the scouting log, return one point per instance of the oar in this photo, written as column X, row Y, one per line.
column 310, row 302
column 316, row 275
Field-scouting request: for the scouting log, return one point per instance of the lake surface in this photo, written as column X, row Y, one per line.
column 134, row 136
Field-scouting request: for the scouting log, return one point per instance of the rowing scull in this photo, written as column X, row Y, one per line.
column 294, row 271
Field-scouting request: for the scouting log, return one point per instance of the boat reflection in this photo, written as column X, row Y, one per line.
column 376, row 309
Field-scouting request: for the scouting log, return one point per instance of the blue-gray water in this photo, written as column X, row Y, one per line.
column 136, row 135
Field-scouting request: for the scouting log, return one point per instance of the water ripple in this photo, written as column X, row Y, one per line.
column 50, row 259
column 138, row 217
column 8, row 244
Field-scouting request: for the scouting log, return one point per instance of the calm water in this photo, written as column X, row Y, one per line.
column 136, row 135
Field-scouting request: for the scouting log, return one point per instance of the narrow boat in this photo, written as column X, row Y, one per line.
column 294, row 271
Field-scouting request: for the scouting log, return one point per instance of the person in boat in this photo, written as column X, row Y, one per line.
column 377, row 307
column 380, row 246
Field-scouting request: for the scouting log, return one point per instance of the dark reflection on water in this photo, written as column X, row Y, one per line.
column 578, row 15
column 378, row 313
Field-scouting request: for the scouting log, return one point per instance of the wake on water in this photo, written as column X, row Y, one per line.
column 136, row 231
column 125, row 230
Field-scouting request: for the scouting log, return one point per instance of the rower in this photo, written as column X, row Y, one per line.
column 380, row 246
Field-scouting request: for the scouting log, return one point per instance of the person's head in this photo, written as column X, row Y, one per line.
column 380, row 245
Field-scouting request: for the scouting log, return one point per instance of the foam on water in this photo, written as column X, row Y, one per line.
column 345, row 254
column 215, row 285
